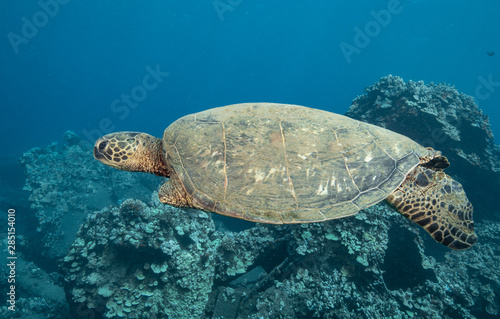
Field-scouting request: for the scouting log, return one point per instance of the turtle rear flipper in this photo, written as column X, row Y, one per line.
column 438, row 204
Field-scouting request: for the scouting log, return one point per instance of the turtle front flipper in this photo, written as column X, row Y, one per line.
column 438, row 204
column 173, row 193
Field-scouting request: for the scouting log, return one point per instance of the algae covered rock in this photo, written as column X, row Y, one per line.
column 142, row 261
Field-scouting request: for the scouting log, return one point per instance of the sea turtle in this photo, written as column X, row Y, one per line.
column 285, row 164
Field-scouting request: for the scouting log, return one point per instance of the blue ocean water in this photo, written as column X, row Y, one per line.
column 97, row 67
column 65, row 69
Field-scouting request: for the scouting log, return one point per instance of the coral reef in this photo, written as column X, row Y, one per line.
column 65, row 184
column 140, row 261
column 479, row 268
column 438, row 116
column 338, row 269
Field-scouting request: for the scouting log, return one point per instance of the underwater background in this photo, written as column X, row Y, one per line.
column 96, row 67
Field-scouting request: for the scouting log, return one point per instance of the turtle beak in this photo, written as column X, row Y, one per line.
column 99, row 148
column 97, row 155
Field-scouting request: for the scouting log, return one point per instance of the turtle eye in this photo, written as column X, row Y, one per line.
column 103, row 145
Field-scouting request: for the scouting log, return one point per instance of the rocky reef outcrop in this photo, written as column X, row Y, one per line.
column 140, row 261
column 151, row 261
column 438, row 116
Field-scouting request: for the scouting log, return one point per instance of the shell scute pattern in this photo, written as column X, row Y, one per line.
column 283, row 164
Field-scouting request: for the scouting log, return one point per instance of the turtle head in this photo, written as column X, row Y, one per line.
column 132, row 151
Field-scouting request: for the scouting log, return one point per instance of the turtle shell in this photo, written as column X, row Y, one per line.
column 279, row 163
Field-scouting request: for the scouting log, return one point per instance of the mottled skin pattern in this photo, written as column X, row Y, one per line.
column 277, row 163
column 132, row 151
column 436, row 202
